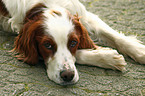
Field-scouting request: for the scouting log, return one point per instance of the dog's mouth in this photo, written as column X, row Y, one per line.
column 67, row 83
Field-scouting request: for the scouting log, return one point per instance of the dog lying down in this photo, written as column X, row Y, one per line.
column 58, row 31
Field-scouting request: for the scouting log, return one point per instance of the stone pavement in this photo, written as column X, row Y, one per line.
column 20, row 79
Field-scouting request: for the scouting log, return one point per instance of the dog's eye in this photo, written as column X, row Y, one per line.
column 48, row 46
column 73, row 43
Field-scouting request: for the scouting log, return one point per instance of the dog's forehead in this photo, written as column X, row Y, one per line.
column 58, row 24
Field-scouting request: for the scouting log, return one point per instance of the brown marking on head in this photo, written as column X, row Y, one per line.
column 85, row 40
column 35, row 13
column 53, row 12
column 73, row 42
column 79, row 38
column 47, row 46
column 26, row 44
column 3, row 9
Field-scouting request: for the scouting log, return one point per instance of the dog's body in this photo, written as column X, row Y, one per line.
column 56, row 31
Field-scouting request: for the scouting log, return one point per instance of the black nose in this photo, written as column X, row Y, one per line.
column 67, row 75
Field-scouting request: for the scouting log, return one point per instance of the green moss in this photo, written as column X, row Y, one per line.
column 26, row 87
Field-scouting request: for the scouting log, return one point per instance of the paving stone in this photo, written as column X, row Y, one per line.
column 12, row 89
column 7, row 68
column 4, row 59
column 134, row 92
column 18, row 64
column 122, row 84
column 31, row 93
column 91, row 70
column 104, row 80
column 143, row 92
column 39, row 75
column 66, row 92
column 23, row 71
column 2, row 84
column 19, row 79
column 4, row 74
column 114, row 73
column 135, row 75
column 94, row 84
column 38, row 88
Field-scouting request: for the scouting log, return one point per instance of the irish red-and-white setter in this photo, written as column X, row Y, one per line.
column 58, row 31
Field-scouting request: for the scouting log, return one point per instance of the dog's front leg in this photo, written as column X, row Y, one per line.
column 105, row 35
column 101, row 57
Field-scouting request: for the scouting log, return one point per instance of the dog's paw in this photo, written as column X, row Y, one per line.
column 119, row 62
column 102, row 57
column 112, row 59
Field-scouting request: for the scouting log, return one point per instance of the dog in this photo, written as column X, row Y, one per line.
column 60, row 31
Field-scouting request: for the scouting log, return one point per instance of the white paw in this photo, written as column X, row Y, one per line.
column 112, row 59
column 102, row 57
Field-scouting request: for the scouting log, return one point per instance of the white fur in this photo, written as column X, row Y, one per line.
column 60, row 35
column 60, row 27
column 17, row 10
column 102, row 57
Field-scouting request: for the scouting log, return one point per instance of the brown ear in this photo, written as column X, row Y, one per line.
column 35, row 12
column 3, row 9
column 25, row 43
column 85, row 40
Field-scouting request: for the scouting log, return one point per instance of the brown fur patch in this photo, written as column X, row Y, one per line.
column 3, row 9
column 52, row 12
column 73, row 37
column 26, row 44
column 43, row 50
column 85, row 40
column 34, row 13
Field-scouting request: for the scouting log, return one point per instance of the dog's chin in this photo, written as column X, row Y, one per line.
column 67, row 83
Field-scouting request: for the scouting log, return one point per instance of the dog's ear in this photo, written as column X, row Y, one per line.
column 85, row 40
column 26, row 44
column 35, row 12
column 3, row 10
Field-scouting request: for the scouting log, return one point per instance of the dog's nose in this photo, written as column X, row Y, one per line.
column 67, row 75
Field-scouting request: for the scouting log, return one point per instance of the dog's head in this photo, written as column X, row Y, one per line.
column 55, row 35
